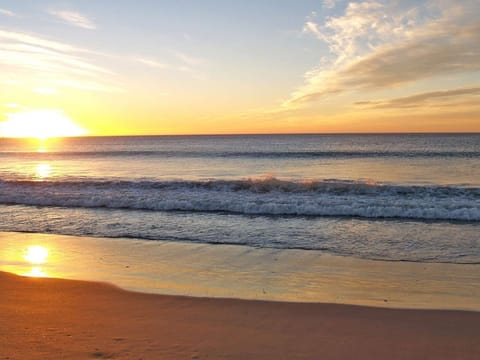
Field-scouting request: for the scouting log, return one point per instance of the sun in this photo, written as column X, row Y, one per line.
column 40, row 124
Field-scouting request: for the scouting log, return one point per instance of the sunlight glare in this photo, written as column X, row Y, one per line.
column 43, row 170
column 36, row 271
column 42, row 145
column 36, row 254
column 40, row 124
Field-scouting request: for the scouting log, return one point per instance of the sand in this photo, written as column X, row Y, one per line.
column 66, row 319
column 242, row 272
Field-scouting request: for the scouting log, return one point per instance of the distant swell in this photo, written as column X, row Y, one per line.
column 247, row 154
column 266, row 196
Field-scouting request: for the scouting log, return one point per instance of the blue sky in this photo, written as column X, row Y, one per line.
column 244, row 66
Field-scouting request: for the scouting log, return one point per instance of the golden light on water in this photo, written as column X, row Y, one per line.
column 43, row 170
column 36, row 254
column 42, row 146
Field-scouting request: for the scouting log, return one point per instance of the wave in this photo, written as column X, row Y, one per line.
column 264, row 196
column 246, row 154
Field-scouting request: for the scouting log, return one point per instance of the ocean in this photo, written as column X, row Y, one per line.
column 395, row 197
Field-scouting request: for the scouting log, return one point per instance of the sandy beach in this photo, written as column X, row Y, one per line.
column 53, row 318
column 240, row 180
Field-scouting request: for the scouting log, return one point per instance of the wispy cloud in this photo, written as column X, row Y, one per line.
column 89, row 85
column 178, row 62
column 329, row 4
column 188, row 59
column 28, row 54
column 18, row 37
column 74, row 18
column 12, row 106
column 57, row 64
column 45, row 91
column 433, row 98
column 7, row 12
column 312, row 27
column 377, row 45
column 151, row 62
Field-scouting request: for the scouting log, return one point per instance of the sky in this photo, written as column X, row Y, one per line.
column 118, row 67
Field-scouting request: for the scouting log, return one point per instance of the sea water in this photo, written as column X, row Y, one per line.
column 408, row 197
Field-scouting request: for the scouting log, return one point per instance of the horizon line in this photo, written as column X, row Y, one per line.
column 262, row 134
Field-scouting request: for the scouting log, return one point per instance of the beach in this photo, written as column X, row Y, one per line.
column 242, row 272
column 237, row 180
column 241, row 247
column 226, row 302
column 41, row 318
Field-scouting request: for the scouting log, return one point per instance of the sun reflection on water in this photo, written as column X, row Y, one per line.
column 43, row 170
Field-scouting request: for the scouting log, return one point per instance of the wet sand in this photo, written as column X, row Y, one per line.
column 53, row 318
column 241, row 272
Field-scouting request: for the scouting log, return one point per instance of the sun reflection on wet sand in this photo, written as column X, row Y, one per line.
column 236, row 271
column 36, row 271
column 36, row 255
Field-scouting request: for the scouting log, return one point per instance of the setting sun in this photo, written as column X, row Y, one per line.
column 40, row 124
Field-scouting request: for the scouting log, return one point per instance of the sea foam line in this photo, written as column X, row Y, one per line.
column 266, row 196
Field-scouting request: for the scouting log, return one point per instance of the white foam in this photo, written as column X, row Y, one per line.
column 267, row 196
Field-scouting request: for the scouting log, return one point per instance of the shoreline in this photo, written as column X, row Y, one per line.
column 74, row 319
column 238, row 272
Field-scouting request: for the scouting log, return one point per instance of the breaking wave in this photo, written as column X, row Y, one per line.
column 264, row 196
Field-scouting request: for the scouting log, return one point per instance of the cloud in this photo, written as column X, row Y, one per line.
column 89, row 85
column 35, row 57
column 151, row 63
column 187, row 59
column 311, row 27
column 438, row 98
column 12, row 106
column 376, row 45
column 44, row 91
column 7, row 12
column 450, row 50
column 39, row 41
column 329, row 4
column 181, row 62
column 52, row 63
column 75, row 19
